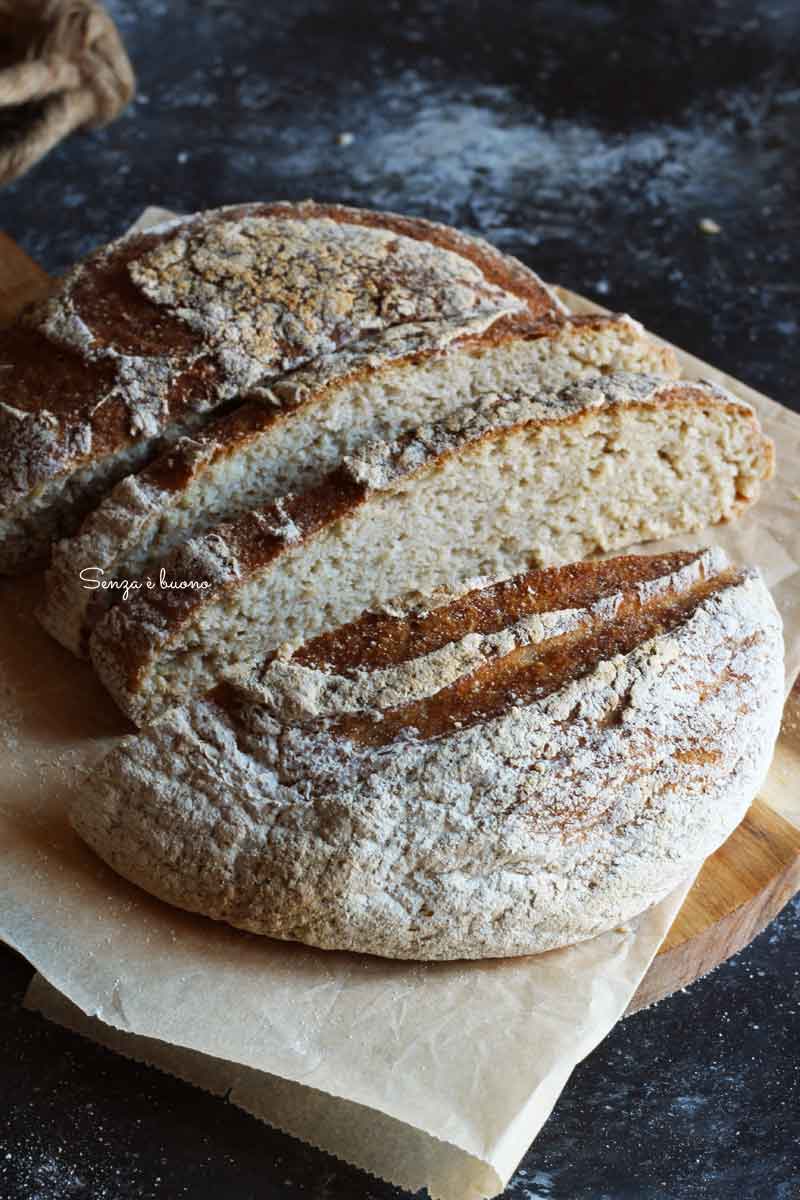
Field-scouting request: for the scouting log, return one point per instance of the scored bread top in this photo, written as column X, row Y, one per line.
column 418, row 645
column 497, row 771
column 191, row 315
column 433, row 667
column 130, row 636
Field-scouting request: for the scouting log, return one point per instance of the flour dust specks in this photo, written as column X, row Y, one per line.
column 482, row 158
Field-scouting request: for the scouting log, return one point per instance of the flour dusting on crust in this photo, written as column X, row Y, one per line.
column 553, row 820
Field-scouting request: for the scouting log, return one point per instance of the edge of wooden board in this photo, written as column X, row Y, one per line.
column 759, row 868
column 21, row 279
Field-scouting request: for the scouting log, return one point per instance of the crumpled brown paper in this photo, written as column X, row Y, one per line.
column 425, row 1074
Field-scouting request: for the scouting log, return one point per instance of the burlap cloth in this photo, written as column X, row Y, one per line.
column 62, row 67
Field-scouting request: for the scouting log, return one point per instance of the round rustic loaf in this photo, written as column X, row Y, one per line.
column 497, row 771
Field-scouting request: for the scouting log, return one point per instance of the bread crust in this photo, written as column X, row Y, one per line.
column 132, row 636
column 142, row 343
column 102, row 364
column 544, row 820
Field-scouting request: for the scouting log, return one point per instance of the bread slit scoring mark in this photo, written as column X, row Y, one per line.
column 415, row 627
column 531, row 672
column 440, row 648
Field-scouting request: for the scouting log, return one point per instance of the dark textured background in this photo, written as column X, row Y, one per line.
column 589, row 139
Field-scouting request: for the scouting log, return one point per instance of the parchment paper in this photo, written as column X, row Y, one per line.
column 436, row 1074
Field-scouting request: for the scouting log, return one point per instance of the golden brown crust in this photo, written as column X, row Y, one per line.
column 76, row 389
column 500, row 269
column 136, row 325
column 378, row 640
column 118, row 313
column 532, row 672
column 62, row 380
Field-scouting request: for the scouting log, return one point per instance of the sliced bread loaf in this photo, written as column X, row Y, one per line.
column 302, row 426
column 498, row 772
column 151, row 335
column 606, row 463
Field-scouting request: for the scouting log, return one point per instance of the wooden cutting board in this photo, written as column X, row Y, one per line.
column 739, row 889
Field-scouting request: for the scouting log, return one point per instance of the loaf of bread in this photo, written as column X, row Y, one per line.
column 151, row 336
column 305, row 423
column 608, row 462
column 497, row 772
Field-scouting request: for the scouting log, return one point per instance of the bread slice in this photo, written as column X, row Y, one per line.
column 302, row 427
column 499, row 772
column 608, row 462
column 151, row 335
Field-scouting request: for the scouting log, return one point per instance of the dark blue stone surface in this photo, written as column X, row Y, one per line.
column 590, row 139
